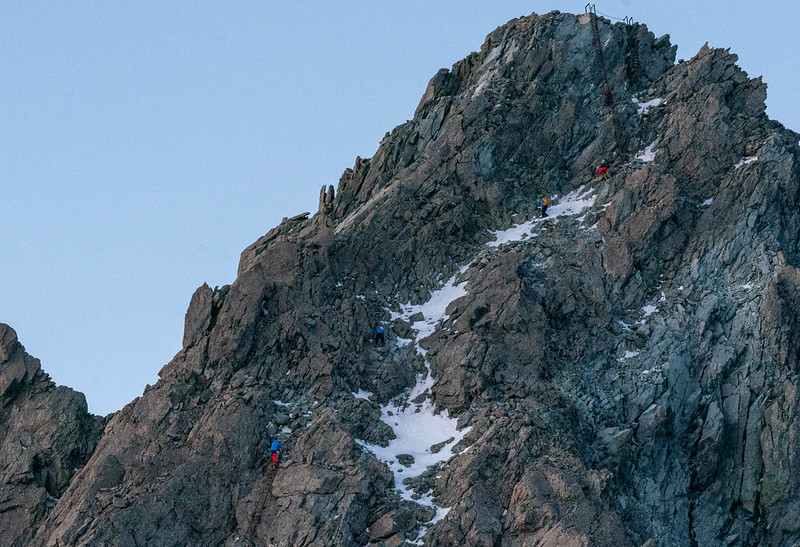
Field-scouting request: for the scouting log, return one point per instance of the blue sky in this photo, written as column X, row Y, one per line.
column 145, row 145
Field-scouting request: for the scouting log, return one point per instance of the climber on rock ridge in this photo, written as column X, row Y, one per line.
column 544, row 203
column 602, row 171
column 276, row 447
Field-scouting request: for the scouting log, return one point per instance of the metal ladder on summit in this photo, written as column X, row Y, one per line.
column 633, row 66
column 608, row 90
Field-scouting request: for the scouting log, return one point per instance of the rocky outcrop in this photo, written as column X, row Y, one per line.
column 623, row 372
column 46, row 435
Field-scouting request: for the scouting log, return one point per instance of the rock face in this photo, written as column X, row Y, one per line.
column 46, row 433
column 624, row 372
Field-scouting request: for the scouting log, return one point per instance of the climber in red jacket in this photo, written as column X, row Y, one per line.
column 603, row 170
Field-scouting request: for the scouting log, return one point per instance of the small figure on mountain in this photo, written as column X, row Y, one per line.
column 603, row 170
column 379, row 338
column 608, row 94
column 276, row 447
column 544, row 203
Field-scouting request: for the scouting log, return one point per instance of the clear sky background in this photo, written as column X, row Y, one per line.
column 144, row 145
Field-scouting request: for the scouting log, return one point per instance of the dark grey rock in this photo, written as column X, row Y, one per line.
column 406, row 460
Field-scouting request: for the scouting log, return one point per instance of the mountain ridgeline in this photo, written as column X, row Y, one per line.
column 621, row 372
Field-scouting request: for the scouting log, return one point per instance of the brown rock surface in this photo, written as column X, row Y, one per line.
column 46, row 435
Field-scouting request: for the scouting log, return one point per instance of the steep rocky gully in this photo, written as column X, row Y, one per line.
column 623, row 372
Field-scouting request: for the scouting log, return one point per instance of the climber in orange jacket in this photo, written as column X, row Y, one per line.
column 544, row 203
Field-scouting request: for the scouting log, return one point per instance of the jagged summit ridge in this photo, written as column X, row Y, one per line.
column 480, row 164
column 622, row 372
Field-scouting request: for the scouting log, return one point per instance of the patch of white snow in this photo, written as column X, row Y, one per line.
column 416, row 428
column 572, row 204
column 628, row 355
column 648, row 154
column 745, row 161
column 649, row 310
column 433, row 311
column 362, row 394
column 441, row 512
column 644, row 108
column 707, row 202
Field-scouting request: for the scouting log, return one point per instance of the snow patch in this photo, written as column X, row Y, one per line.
column 648, row 154
column 653, row 370
column 745, row 161
column 628, row 355
column 747, row 286
column 362, row 394
column 572, row 204
column 433, row 311
column 625, row 326
column 441, row 512
column 417, row 428
column 644, row 108
column 707, row 202
column 649, row 310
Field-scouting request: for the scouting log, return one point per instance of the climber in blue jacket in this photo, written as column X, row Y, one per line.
column 275, row 447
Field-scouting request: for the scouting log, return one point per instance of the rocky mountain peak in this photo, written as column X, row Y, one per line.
column 620, row 371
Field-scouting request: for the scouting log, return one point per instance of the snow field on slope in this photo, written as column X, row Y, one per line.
column 417, row 427
column 572, row 204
